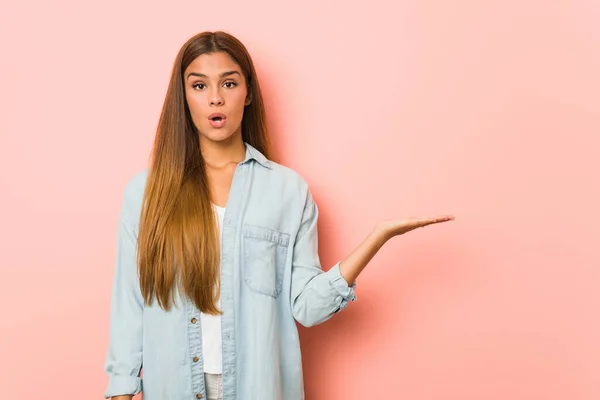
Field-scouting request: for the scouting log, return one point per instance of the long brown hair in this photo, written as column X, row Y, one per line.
column 178, row 242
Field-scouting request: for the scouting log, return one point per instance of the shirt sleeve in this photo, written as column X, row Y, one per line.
column 124, row 356
column 315, row 295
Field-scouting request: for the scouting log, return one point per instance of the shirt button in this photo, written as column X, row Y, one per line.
column 194, row 320
column 195, row 359
column 199, row 396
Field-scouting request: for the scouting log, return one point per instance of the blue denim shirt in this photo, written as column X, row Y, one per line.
column 271, row 277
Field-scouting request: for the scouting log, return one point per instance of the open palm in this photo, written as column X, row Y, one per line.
column 400, row 226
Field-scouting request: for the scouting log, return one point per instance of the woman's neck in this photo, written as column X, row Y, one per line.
column 219, row 155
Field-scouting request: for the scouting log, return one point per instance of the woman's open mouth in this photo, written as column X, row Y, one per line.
column 217, row 120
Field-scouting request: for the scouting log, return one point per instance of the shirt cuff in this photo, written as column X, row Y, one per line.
column 121, row 385
column 337, row 282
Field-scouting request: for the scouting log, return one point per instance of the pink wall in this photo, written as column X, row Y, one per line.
column 486, row 110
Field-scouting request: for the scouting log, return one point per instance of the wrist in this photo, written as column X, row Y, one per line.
column 381, row 233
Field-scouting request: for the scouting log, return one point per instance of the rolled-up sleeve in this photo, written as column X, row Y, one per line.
column 315, row 295
column 124, row 356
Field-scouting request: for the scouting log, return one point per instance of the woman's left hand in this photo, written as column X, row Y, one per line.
column 353, row 264
column 391, row 228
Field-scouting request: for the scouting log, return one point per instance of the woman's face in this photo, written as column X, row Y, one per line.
column 215, row 89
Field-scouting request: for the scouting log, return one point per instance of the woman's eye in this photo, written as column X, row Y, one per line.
column 195, row 85
column 231, row 83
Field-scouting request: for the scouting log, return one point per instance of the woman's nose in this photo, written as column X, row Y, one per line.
column 216, row 99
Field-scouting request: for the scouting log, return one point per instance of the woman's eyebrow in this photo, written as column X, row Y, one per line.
column 221, row 75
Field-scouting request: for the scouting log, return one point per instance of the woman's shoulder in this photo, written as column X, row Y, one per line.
column 288, row 177
column 136, row 183
column 133, row 193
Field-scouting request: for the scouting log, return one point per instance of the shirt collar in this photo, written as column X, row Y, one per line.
column 253, row 153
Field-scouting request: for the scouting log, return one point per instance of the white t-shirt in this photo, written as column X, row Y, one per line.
column 211, row 326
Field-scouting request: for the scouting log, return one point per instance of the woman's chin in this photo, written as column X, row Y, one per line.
column 217, row 135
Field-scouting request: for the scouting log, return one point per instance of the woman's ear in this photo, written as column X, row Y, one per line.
column 248, row 100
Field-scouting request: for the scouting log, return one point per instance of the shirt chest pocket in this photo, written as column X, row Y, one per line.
column 265, row 252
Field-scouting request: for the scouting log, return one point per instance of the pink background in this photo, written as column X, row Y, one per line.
column 488, row 110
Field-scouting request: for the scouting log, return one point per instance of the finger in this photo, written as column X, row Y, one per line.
column 434, row 220
column 444, row 218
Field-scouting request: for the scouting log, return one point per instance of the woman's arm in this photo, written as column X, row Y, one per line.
column 317, row 295
column 124, row 356
column 353, row 265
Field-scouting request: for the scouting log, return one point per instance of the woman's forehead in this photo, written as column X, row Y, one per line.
column 213, row 64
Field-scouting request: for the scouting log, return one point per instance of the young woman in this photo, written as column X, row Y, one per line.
column 217, row 247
